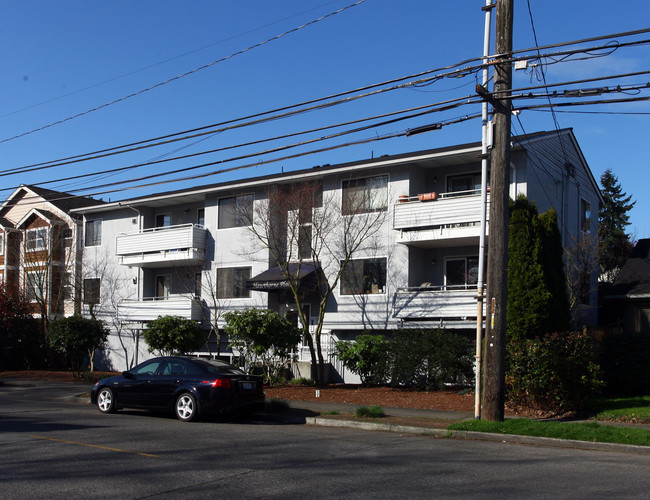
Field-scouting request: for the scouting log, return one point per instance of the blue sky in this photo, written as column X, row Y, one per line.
column 64, row 58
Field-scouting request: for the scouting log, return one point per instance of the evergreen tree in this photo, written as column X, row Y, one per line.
column 614, row 243
column 528, row 297
column 537, row 295
column 559, row 316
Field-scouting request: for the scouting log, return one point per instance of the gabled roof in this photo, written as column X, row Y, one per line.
column 5, row 224
column 64, row 202
column 46, row 215
column 634, row 279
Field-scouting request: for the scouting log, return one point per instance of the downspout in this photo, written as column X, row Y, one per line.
column 139, row 270
column 139, row 284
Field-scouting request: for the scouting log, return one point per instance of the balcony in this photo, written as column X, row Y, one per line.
column 435, row 303
column 182, row 245
column 442, row 217
column 148, row 309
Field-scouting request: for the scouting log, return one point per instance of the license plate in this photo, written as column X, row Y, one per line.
column 248, row 386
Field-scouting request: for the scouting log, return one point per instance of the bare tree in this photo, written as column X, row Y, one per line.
column 305, row 230
column 50, row 264
column 581, row 261
column 101, row 288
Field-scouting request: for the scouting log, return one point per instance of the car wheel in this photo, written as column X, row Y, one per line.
column 106, row 400
column 186, row 407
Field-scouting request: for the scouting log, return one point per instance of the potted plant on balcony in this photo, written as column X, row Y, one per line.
column 427, row 196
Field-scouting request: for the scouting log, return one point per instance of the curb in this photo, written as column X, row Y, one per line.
column 465, row 435
column 440, row 433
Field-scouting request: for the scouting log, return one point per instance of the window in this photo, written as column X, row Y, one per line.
column 365, row 195
column 2, row 244
column 148, row 368
column 163, row 220
column 91, row 290
column 36, row 239
column 364, row 276
column 197, row 285
column 200, row 216
column 163, row 286
column 34, row 286
column 304, row 242
column 464, row 184
column 585, row 216
column 461, row 272
column 66, row 286
column 231, row 282
column 67, row 237
column 236, row 211
column 93, row 236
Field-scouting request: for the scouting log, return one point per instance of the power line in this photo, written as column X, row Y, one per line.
column 374, row 138
column 187, row 73
column 159, row 63
column 421, row 111
column 478, row 59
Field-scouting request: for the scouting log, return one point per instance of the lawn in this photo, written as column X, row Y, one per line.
column 623, row 409
column 583, row 431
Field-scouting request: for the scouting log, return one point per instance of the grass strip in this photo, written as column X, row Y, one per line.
column 635, row 408
column 579, row 431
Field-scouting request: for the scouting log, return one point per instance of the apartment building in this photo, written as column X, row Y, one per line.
column 196, row 252
column 40, row 249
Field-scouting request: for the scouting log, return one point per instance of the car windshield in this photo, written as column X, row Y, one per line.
column 219, row 367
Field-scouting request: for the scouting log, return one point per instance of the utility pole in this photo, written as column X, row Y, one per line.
column 493, row 401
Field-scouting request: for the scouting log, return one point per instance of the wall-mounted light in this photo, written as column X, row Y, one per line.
column 433, row 262
column 135, row 281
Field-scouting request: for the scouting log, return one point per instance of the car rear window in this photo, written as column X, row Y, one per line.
column 219, row 367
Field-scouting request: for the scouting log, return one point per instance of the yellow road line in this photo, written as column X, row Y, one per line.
column 93, row 446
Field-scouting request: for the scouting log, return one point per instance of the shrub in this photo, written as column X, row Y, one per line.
column 556, row 372
column 370, row 412
column 368, row 357
column 264, row 338
column 429, row 359
column 77, row 338
column 301, row 381
column 173, row 335
column 625, row 359
column 22, row 345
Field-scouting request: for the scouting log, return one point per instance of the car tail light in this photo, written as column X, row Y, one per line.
column 224, row 383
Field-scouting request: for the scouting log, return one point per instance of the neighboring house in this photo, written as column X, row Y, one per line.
column 190, row 253
column 40, row 248
column 627, row 300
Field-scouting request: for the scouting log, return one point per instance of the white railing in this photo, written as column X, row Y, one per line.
column 427, row 302
column 149, row 308
column 431, row 210
column 182, row 244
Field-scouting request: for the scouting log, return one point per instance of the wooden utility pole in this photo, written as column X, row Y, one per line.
column 492, row 407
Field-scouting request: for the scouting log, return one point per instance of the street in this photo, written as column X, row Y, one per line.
column 57, row 448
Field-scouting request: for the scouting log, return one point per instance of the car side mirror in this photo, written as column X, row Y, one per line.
column 128, row 375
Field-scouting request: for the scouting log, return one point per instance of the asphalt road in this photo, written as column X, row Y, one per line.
column 52, row 447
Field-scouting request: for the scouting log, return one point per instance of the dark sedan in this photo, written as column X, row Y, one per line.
column 188, row 386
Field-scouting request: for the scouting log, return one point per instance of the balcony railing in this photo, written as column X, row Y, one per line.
column 148, row 309
column 438, row 210
column 429, row 302
column 179, row 245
